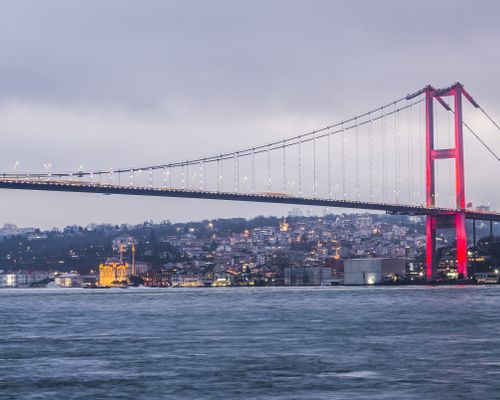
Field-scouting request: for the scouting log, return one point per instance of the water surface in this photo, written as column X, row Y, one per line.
column 251, row 343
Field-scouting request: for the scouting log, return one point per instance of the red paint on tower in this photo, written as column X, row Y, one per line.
column 458, row 154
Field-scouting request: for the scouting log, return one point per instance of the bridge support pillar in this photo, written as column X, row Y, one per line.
column 455, row 220
column 461, row 233
column 430, row 254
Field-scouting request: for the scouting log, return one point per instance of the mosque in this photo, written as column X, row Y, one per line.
column 115, row 271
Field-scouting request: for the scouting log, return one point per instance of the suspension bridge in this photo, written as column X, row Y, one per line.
column 387, row 159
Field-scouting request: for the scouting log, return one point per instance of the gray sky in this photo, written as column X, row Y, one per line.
column 105, row 83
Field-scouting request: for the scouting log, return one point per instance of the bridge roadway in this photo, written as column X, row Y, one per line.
column 277, row 198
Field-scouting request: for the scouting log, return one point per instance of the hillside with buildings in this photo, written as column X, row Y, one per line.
column 296, row 250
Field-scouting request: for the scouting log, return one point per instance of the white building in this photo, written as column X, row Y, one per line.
column 68, row 280
column 8, row 280
column 22, row 278
column 371, row 271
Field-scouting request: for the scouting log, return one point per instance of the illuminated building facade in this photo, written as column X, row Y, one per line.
column 68, row 280
column 114, row 273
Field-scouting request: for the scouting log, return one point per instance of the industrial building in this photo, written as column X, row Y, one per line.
column 372, row 271
column 307, row 276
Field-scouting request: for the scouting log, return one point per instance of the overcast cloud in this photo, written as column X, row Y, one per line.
column 106, row 83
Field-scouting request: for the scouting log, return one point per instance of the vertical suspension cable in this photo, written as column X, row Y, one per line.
column 450, row 145
column 329, row 164
column 395, row 150
column 384, row 161
column 204, row 175
column 358, row 190
column 238, row 172
column 252, row 171
column 437, row 144
column 222, row 175
column 284, row 166
column 314, row 165
column 370, row 155
column 235, row 174
column 397, row 144
column 300, row 166
column 268, row 169
column 219, row 175
column 202, row 180
column 410, row 154
column 344, row 194
column 420, row 152
column 183, row 177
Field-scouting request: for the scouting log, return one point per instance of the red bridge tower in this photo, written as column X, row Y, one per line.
column 456, row 219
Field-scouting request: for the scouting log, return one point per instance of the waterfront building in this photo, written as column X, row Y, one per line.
column 306, row 276
column 142, row 268
column 10, row 280
column 223, row 279
column 186, row 280
column 487, row 277
column 157, row 278
column 68, row 280
column 89, row 281
column 371, row 271
column 114, row 273
column 22, row 278
column 317, row 276
column 294, row 276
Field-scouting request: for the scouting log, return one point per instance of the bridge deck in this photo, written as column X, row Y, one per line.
column 277, row 198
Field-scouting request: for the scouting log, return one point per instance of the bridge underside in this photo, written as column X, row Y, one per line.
column 231, row 196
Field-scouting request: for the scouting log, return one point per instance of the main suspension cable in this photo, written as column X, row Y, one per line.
column 306, row 137
column 490, row 118
column 490, row 150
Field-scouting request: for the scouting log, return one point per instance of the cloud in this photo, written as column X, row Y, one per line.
column 106, row 83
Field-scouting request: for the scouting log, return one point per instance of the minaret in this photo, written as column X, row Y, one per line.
column 133, row 260
column 122, row 250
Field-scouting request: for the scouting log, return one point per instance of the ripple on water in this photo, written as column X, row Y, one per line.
column 261, row 343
